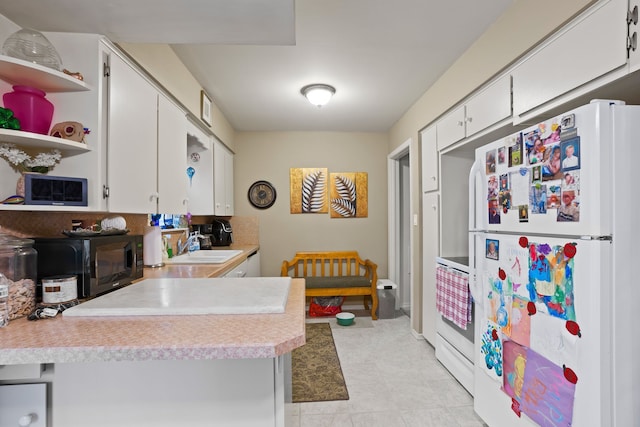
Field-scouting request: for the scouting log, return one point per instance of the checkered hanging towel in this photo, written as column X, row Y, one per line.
column 453, row 299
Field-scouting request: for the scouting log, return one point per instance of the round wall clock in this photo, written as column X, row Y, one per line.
column 262, row 194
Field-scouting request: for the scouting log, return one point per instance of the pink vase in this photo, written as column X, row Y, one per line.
column 31, row 108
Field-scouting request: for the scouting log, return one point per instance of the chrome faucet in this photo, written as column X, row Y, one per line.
column 182, row 248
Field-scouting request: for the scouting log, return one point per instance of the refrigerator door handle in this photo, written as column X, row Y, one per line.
column 474, row 287
column 476, row 171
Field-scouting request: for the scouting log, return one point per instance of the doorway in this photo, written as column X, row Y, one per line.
column 400, row 240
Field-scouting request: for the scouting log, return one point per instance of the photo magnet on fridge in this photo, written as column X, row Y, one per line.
column 493, row 249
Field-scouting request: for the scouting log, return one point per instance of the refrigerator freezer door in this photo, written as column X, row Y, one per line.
column 626, row 253
column 530, row 182
column 543, row 331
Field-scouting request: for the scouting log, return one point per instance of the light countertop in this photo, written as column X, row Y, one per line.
column 162, row 337
column 201, row 270
column 218, row 295
column 137, row 338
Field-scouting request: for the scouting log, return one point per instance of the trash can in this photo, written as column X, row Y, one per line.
column 386, row 299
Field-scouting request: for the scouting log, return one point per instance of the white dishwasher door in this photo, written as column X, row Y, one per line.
column 23, row 405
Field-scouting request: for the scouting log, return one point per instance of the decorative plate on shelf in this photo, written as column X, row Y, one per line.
column 92, row 233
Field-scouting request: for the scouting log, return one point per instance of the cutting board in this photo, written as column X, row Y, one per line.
column 256, row 295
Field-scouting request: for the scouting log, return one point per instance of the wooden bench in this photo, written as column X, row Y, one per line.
column 339, row 273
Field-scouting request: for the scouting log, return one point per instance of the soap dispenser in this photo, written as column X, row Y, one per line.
column 194, row 241
column 168, row 251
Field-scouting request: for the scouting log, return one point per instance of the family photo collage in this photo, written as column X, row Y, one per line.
column 548, row 176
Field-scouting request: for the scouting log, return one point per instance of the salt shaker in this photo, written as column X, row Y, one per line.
column 4, row 301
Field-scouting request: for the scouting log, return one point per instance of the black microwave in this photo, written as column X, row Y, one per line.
column 101, row 263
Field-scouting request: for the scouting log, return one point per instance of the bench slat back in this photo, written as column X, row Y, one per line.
column 326, row 264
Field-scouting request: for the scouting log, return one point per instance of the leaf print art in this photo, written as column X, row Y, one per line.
column 345, row 205
column 313, row 192
column 308, row 190
column 348, row 195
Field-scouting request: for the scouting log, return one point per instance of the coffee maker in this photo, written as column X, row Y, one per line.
column 222, row 235
column 206, row 230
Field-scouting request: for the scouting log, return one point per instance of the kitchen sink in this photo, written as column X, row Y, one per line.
column 214, row 256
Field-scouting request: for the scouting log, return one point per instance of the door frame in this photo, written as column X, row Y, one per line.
column 393, row 227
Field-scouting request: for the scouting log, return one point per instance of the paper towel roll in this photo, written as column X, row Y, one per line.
column 152, row 247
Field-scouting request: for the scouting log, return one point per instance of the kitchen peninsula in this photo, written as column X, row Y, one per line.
column 197, row 370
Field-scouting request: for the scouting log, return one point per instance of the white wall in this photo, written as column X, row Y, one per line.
column 270, row 155
column 170, row 72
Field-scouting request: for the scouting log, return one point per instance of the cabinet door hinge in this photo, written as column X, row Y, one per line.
column 105, row 191
column 632, row 16
column 632, row 36
column 632, row 43
column 106, row 70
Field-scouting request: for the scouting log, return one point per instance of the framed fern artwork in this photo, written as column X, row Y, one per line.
column 349, row 195
column 309, row 190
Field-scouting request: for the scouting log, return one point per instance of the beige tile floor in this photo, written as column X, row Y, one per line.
column 394, row 380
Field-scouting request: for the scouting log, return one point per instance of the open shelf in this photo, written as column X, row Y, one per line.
column 18, row 72
column 47, row 208
column 36, row 140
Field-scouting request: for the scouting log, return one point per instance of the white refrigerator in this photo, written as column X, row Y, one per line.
column 553, row 248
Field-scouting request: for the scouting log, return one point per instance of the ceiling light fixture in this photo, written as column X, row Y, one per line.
column 318, row 94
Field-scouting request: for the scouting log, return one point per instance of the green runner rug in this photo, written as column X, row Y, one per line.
column 316, row 372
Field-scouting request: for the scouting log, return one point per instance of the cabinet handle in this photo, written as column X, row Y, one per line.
column 460, row 123
column 433, row 178
column 27, row 420
column 469, row 119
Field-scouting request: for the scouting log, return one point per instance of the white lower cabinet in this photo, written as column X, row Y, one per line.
column 169, row 393
column 253, row 265
column 27, row 371
column 238, row 271
column 23, row 405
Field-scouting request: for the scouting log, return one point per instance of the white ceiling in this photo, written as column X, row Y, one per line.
column 253, row 56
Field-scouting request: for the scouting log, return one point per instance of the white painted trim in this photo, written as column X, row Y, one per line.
column 393, row 170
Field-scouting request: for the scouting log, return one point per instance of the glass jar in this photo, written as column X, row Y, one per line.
column 19, row 264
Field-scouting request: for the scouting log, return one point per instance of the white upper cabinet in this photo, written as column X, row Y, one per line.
column 173, row 179
column 132, row 159
column 223, row 179
column 585, row 49
column 146, row 149
column 489, row 106
column 429, row 156
column 633, row 43
column 451, row 128
column 200, row 158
